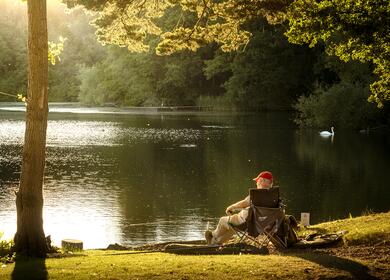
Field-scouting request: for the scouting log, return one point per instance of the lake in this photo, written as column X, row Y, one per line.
column 143, row 177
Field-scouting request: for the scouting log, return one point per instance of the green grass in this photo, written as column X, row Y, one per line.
column 99, row 264
column 124, row 265
column 370, row 229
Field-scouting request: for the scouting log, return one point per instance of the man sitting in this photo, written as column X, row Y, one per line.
column 224, row 232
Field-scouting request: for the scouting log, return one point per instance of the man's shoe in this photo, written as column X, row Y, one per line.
column 208, row 236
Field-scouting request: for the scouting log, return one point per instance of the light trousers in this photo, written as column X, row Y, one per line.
column 224, row 231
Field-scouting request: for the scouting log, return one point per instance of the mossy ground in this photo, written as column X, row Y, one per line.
column 364, row 256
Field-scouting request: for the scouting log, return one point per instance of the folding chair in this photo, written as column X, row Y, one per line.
column 265, row 217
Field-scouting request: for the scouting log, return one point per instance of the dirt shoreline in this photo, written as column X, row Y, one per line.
column 365, row 261
column 372, row 253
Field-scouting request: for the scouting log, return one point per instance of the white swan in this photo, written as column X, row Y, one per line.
column 327, row 133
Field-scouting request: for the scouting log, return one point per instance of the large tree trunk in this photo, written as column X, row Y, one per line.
column 30, row 238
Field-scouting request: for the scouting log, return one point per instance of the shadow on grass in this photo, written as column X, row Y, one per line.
column 357, row 270
column 29, row 268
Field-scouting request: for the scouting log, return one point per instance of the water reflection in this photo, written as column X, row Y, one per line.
column 81, row 133
column 133, row 179
column 348, row 175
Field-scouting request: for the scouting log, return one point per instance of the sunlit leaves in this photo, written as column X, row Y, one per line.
column 351, row 30
column 221, row 22
column 55, row 49
column 128, row 25
column 192, row 39
column 22, row 98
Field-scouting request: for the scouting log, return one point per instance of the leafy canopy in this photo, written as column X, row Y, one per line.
column 349, row 29
column 127, row 23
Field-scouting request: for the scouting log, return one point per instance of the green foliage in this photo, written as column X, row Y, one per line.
column 55, row 49
column 80, row 49
column 13, row 54
column 219, row 103
column 121, row 78
column 265, row 73
column 351, row 30
column 90, row 80
column 247, row 80
column 221, row 22
column 270, row 74
column 6, row 253
column 342, row 105
column 219, row 65
column 22, row 98
column 340, row 98
column 127, row 23
column 183, row 80
column 142, row 79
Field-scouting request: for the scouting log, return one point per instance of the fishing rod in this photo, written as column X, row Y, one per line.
column 8, row 94
column 17, row 96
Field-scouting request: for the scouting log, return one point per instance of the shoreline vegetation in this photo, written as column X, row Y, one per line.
column 111, row 107
column 326, row 79
column 63, row 106
column 364, row 254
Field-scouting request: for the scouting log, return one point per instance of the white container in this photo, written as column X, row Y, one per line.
column 305, row 219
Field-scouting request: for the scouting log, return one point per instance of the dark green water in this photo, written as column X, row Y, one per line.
column 151, row 178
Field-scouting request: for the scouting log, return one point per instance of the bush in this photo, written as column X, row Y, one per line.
column 218, row 103
column 343, row 105
column 6, row 250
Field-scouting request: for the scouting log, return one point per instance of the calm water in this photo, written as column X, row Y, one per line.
column 133, row 179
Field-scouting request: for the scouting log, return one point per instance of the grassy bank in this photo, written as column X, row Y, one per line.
column 370, row 229
column 363, row 232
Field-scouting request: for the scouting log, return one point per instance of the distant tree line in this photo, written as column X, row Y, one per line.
column 270, row 74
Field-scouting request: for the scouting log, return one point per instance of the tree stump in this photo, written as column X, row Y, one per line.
column 72, row 245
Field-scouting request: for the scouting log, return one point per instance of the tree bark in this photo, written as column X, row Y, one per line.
column 30, row 238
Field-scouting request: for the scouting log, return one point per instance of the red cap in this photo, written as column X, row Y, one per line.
column 265, row 175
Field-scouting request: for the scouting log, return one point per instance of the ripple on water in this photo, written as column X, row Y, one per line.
column 68, row 133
